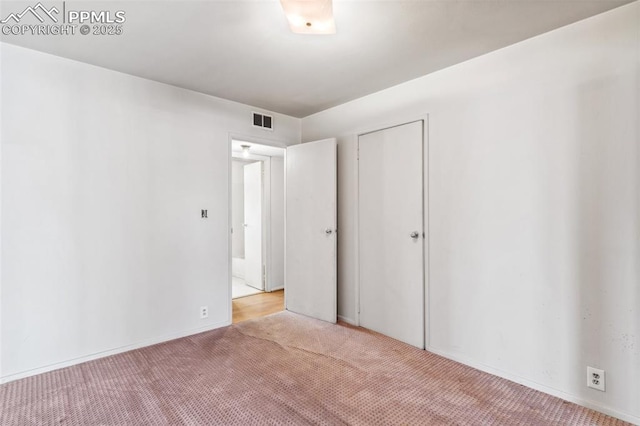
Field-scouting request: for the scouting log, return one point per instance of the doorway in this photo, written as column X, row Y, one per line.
column 257, row 218
column 311, row 244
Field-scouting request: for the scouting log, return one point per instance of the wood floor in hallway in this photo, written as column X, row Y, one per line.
column 257, row 305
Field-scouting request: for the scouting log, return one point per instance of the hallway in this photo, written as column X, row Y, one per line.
column 258, row 305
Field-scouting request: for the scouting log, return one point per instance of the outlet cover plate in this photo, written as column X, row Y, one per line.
column 595, row 378
column 204, row 312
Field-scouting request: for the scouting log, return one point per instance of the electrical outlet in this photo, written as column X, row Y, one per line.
column 595, row 378
column 204, row 312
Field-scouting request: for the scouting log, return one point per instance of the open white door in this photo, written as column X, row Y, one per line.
column 253, row 273
column 310, row 230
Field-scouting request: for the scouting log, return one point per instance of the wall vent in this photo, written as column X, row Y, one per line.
column 263, row 121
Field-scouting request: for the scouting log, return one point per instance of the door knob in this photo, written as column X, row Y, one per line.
column 415, row 235
column 328, row 231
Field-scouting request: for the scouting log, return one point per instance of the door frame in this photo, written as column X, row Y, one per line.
column 425, row 215
column 266, row 231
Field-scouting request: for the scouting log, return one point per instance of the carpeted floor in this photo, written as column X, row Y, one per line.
column 276, row 370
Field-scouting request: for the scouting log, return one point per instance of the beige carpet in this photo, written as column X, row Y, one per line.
column 278, row 370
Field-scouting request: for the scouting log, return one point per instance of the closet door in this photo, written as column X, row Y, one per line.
column 391, row 232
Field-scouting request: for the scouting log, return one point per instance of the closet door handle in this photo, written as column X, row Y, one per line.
column 415, row 235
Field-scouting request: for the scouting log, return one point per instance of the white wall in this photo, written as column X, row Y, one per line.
column 277, row 223
column 534, row 193
column 103, row 178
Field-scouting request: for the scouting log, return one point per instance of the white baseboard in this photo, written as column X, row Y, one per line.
column 102, row 354
column 280, row 287
column 539, row 387
column 347, row 320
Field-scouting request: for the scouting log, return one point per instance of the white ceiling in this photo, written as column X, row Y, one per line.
column 256, row 149
column 244, row 51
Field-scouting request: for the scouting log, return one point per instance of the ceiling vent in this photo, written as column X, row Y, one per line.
column 263, row 121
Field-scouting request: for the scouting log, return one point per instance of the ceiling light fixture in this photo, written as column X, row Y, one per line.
column 309, row 16
column 245, row 150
